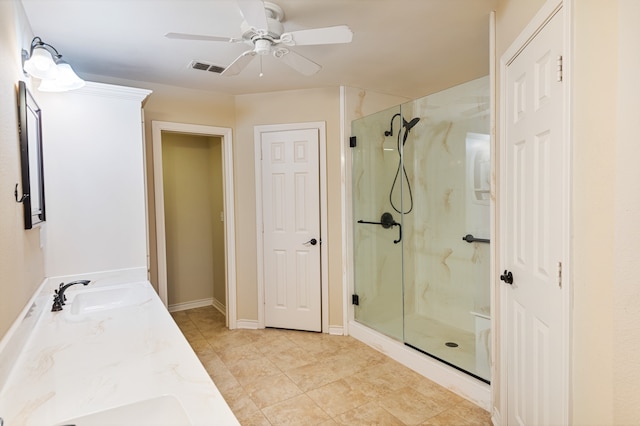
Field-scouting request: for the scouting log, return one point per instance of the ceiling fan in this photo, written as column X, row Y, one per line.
column 262, row 29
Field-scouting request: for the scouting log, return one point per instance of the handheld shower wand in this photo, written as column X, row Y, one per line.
column 408, row 125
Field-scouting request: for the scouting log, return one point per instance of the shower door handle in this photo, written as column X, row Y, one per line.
column 387, row 225
column 399, row 232
column 471, row 239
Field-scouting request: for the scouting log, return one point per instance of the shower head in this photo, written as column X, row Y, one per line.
column 409, row 125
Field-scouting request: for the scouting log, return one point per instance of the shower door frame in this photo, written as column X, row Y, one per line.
column 450, row 377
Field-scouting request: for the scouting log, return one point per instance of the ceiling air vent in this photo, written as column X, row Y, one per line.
column 203, row 66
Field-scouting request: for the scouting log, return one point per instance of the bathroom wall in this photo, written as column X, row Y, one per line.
column 217, row 223
column 192, row 171
column 626, row 288
column 179, row 105
column 21, row 254
column 275, row 108
column 606, row 205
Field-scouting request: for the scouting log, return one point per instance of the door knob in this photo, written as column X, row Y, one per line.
column 312, row 241
column 507, row 277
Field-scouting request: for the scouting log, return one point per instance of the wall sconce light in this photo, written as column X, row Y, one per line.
column 44, row 62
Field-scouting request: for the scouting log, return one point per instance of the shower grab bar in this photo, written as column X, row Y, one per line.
column 471, row 239
column 387, row 225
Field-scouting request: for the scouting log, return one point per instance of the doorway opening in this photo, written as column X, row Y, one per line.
column 195, row 232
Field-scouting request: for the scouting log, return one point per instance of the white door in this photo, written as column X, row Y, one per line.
column 291, row 216
column 532, row 240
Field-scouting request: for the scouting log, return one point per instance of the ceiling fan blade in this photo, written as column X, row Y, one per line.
column 298, row 62
column 326, row 35
column 239, row 64
column 183, row 36
column 254, row 13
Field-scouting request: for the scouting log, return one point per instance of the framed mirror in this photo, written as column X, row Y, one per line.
column 30, row 131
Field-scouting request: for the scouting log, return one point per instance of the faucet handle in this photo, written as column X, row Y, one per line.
column 57, row 304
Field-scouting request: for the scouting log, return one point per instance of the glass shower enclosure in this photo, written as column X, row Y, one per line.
column 421, row 188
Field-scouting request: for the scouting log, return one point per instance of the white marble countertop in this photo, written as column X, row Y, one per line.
column 73, row 365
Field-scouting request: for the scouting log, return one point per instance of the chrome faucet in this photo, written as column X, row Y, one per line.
column 59, row 298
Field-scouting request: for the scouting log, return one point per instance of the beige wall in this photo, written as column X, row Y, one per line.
column 594, row 147
column 178, row 105
column 606, row 339
column 625, row 281
column 21, row 258
column 276, row 108
column 217, row 225
column 193, row 196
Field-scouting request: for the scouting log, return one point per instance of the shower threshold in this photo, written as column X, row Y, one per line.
column 448, row 363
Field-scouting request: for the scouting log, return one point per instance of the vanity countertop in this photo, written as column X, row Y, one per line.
column 93, row 358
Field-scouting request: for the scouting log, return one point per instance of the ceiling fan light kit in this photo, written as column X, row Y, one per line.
column 262, row 29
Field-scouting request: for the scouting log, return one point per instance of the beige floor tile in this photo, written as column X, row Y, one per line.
column 338, row 397
column 252, row 369
column 475, row 415
column 313, row 376
column 229, row 339
column 299, row 410
column 410, row 406
column 447, row 418
column 277, row 376
column 238, row 354
column 443, row 397
column 288, row 358
column 240, row 403
column 255, row 419
column 270, row 390
column 199, row 346
column 369, row 414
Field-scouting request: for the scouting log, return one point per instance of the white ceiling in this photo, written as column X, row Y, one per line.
column 407, row 48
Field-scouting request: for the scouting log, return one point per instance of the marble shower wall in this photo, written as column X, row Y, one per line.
column 445, row 278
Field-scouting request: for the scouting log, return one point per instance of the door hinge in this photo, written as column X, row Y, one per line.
column 559, row 68
column 355, row 300
column 352, row 142
column 560, row 274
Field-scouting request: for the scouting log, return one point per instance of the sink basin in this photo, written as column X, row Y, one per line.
column 110, row 298
column 163, row 410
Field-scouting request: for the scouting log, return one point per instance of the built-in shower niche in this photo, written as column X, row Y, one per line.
column 427, row 162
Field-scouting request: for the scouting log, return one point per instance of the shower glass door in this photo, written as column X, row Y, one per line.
column 377, row 227
column 421, row 186
column 446, row 242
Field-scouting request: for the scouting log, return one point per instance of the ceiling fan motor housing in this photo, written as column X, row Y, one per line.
column 263, row 46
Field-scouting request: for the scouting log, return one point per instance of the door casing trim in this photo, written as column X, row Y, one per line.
column 320, row 126
column 229, row 214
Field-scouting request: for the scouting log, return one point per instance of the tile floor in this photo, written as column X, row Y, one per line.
column 277, row 377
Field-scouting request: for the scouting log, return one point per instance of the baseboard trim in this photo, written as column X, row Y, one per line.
column 247, row 324
column 191, row 305
column 219, row 306
column 336, row 330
